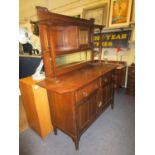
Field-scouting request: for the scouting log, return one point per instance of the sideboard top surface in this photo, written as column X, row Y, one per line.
column 76, row 79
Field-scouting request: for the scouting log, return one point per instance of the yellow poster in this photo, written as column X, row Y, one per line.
column 120, row 11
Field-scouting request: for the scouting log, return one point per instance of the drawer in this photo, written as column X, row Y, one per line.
column 109, row 78
column 87, row 90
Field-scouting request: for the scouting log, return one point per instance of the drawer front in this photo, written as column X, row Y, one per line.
column 87, row 90
column 108, row 79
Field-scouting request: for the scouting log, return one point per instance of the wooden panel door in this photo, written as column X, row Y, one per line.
column 93, row 105
column 88, row 109
column 108, row 93
column 104, row 95
column 83, row 114
column 108, row 89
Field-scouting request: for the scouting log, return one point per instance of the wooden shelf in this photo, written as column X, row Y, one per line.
column 63, row 52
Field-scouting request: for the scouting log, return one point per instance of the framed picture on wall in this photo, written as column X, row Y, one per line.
column 99, row 13
column 35, row 28
column 120, row 12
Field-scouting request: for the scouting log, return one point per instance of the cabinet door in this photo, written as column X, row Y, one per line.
column 93, row 105
column 108, row 90
column 88, row 109
column 104, row 95
column 111, row 91
column 83, row 114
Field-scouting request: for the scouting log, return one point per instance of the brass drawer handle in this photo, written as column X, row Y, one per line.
column 85, row 94
column 105, row 80
column 100, row 103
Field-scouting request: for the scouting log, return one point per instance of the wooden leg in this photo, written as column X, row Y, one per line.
column 112, row 106
column 112, row 103
column 76, row 144
column 55, row 130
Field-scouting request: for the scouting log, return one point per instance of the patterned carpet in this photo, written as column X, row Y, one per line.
column 113, row 133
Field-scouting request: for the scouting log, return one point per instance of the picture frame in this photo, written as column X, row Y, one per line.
column 120, row 13
column 35, row 28
column 99, row 13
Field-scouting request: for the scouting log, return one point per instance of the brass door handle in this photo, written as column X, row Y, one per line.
column 100, row 103
column 85, row 94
